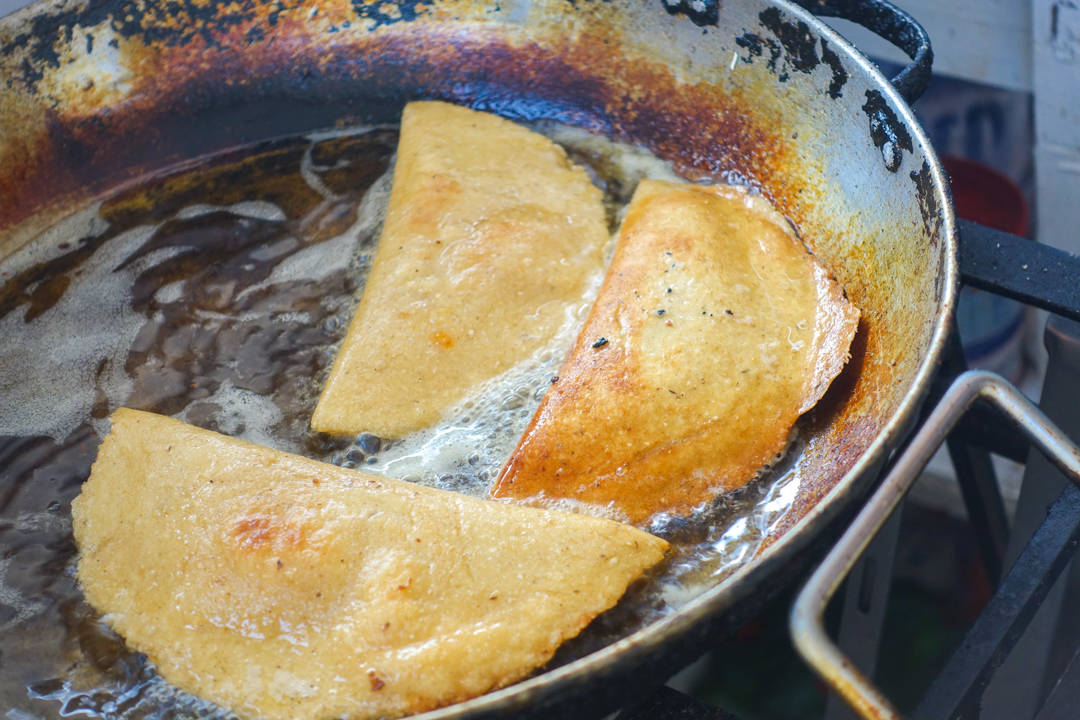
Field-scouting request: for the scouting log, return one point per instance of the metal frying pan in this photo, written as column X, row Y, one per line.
column 758, row 92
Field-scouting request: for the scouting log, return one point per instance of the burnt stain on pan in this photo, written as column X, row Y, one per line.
column 289, row 78
column 700, row 12
column 887, row 131
column 793, row 48
column 756, row 46
column 387, row 13
column 800, row 47
column 839, row 74
column 928, row 202
column 175, row 23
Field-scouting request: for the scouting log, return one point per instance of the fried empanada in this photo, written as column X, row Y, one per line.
column 714, row 330
column 491, row 236
column 281, row 587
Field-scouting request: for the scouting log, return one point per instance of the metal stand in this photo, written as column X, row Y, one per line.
column 865, row 601
column 1021, row 622
column 1021, row 683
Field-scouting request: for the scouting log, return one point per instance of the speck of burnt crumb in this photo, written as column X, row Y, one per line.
column 669, row 290
column 554, row 379
column 661, row 311
column 375, row 680
column 280, row 564
column 728, row 312
column 600, row 343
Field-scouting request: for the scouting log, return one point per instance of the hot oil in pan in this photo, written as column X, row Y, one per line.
column 217, row 295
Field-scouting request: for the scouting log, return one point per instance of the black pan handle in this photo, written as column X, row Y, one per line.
column 892, row 24
column 1019, row 268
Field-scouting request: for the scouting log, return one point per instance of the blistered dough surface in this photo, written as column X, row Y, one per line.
column 714, row 330
column 281, row 587
column 491, row 236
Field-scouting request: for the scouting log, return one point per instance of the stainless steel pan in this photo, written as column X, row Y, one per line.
column 758, row 92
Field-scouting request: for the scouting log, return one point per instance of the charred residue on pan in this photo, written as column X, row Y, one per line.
column 700, row 12
column 389, row 13
column 285, row 81
column 184, row 76
column 839, row 74
column 928, row 202
column 174, row 23
column 793, row 42
column 704, row 131
column 887, row 131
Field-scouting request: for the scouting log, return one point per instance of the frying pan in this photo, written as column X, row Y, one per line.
column 757, row 92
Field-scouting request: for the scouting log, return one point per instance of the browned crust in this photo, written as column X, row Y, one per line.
column 229, row 557
column 660, row 410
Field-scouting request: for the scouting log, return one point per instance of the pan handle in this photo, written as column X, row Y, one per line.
column 806, row 621
column 892, row 24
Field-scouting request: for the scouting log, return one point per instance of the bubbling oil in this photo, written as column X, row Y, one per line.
column 218, row 294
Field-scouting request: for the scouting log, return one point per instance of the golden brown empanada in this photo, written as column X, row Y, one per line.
column 491, row 236
column 281, row 587
column 714, row 330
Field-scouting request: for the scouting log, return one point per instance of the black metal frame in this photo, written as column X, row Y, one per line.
column 1036, row 274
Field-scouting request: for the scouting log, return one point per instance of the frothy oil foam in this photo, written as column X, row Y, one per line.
column 466, row 449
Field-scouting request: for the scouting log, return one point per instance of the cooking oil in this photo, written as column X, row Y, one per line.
column 217, row 294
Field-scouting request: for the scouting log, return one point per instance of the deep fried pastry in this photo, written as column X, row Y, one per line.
column 714, row 330
column 281, row 587
column 491, row 235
